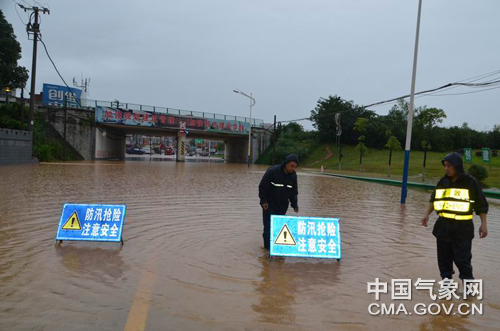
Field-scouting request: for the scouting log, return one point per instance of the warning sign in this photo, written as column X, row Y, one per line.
column 73, row 223
column 285, row 237
column 313, row 237
column 91, row 222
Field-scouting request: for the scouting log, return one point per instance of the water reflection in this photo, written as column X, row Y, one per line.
column 101, row 264
column 276, row 292
column 445, row 322
column 285, row 279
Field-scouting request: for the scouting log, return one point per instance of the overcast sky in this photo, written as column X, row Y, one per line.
column 191, row 54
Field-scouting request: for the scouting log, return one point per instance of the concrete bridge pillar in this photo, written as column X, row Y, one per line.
column 236, row 150
column 109, row 145
column 181, row 146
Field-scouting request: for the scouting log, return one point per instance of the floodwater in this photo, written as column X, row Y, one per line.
column 193, row 257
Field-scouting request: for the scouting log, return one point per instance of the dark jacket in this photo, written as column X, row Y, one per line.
column 451, row 229
column 279, row 189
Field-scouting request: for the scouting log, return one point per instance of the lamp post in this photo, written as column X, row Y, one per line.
column 410, row 113
column 252, row 103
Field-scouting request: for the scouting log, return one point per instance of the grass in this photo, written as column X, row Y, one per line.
column 375, row 164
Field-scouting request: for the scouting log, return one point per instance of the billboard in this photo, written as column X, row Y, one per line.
column 53, row 95
column 158, row 120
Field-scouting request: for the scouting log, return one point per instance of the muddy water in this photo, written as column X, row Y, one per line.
column 193, row 257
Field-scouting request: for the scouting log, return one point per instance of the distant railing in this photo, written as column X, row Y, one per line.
column 89, row 103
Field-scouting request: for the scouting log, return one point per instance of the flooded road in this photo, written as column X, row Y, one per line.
column 193, row 256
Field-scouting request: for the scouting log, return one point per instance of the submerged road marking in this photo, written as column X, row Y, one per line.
column 138, row 313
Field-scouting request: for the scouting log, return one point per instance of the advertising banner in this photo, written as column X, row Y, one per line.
column 159, row 120
column 53, row 95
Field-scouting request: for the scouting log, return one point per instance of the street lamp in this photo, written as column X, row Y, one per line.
column 252, row 103
column 410, row 113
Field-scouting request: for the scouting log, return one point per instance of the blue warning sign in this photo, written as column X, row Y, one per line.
column 305, row 237
column 91, row 222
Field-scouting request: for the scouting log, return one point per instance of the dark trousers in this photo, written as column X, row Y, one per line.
column 266, row 235
column 458, row 251
column 266, row 219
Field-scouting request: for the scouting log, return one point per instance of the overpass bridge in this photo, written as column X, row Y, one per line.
column 111, row 121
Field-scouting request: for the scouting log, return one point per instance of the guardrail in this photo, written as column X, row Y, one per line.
column 89, row 103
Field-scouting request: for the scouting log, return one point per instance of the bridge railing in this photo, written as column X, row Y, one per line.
column 90, row 103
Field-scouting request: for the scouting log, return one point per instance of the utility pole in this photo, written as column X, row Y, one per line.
column 33, row 28
column 274, row 140
column 22, row 108
column 65, row 125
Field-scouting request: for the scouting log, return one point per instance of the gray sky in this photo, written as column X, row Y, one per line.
column 191, row 54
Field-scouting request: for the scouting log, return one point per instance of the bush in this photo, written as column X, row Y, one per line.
column 479, row 153
column 478, row 171
column 494, row 152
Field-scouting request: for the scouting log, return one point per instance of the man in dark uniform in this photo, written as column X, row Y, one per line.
column 455, row 198
column 278, row 189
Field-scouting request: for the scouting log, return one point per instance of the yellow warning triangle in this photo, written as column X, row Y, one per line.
column 285, row 237
column 73, row 223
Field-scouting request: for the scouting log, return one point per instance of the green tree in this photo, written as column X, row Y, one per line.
column 393, row 144
column 323, row 118
column 293, row 139
column 397, row 118
column 11, row 74
column 360, row 126
column 426, row 120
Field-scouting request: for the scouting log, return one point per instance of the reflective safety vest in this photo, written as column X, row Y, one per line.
column 453, row 203
column 281, row 185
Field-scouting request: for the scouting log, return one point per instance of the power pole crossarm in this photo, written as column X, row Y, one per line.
column 34, row 29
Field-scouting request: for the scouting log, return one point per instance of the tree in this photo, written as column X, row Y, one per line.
column 323, row 117
column 293, row 127
column 393, row 144
column 360, row 126
column 397, row 119
column 426, row 147
column 426, row 120
column 12, row 75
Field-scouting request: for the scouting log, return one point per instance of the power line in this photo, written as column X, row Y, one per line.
column 15, row 8
column 53, row 64
column 88, row 118
column 472, row 79
column 487, row 89
column 430, row 92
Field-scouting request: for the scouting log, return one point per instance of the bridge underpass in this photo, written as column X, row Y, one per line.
column 105, row 138
column 110, row 141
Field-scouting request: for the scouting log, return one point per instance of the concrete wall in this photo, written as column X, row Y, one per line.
column 79, row 133
column 15, row 146
column 261, row 140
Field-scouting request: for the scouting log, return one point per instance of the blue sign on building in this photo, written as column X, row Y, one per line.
column 305, row 237
column 53, row 95
column 91, row 222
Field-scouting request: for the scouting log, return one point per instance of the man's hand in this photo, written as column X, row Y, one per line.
column 429, row 210
column 296, row 209
column 265, row 206
column 483, row 231
column 425, row 220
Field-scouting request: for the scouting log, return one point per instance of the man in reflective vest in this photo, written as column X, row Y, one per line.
column 456, row 197
column 278, row 189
